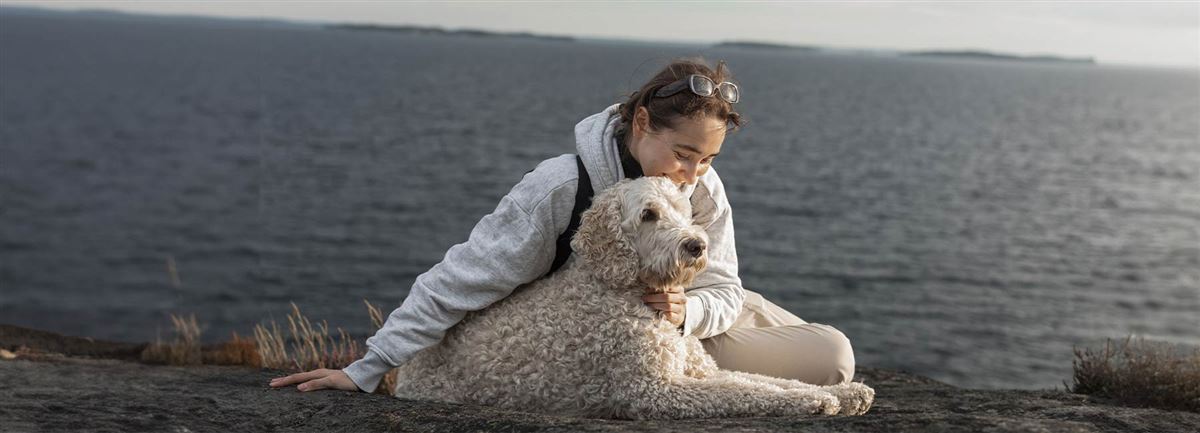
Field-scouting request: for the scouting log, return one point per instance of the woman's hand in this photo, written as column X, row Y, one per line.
column 672, row 304
column 322, row 378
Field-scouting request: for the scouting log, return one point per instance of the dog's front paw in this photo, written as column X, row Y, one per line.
column 816, row 402
column 855, row 397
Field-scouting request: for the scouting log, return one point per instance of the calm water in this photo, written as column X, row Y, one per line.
column 966, row 220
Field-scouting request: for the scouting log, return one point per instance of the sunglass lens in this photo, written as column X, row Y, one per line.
column 729, row 92
column 701, row 85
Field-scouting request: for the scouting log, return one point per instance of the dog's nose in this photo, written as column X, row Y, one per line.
column 695, row 247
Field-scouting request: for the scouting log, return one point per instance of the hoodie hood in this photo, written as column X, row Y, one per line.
column 596, row 145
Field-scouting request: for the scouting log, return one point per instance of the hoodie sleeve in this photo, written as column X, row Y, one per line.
column 513, row 245
column 715, row 297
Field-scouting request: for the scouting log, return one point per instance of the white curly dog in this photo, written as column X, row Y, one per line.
column 580, row 342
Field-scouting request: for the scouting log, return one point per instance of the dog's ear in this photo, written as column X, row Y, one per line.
column 602, row 243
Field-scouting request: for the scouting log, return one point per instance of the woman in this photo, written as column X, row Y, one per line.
column 673, row 126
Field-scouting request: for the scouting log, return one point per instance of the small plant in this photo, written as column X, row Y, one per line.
column 311, row 347
column 184, row 350
column 1140, row 373
column 239, row 351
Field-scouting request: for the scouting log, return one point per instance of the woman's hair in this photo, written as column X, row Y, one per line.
column 665, row 111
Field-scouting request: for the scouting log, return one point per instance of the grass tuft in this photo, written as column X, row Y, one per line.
column 303, row 347
column 239, row 351
column 1140, row 373
column 311, row 346
column 184, row 350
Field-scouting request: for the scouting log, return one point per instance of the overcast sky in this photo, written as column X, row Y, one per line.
column 1131, row 32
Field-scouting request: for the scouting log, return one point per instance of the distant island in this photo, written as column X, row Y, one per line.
column 423, row 30
column 962, row 54
column 996, row 56
column 763, row 45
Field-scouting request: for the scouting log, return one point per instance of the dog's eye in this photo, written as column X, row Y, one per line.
column 649, row 215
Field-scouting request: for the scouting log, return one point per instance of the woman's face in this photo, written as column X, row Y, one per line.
column 682, row 154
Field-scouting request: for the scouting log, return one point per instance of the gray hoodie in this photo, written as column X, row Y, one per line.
column 515, row 244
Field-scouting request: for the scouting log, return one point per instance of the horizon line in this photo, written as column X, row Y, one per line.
column 1097, row 61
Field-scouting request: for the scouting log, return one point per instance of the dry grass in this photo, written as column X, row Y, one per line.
column 303, row 347
column 311, row 346
column 184, row 350
column 1140, row 373
column 239, row 351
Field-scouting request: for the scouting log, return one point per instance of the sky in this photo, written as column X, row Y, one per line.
column 1113, row 32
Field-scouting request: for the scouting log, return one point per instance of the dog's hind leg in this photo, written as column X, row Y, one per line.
column 720, row 395
column 854, row 397
column 777, row 381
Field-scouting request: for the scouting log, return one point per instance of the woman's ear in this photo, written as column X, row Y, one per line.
column 641, row 122
column 602, row 243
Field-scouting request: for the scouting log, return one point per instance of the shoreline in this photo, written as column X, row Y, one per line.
column 65, row 383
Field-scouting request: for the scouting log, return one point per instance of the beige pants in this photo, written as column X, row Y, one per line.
column 767, row 339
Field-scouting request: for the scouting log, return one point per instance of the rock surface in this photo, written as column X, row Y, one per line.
column 72, row 393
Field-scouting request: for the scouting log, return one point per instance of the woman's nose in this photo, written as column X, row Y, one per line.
column 690, row 173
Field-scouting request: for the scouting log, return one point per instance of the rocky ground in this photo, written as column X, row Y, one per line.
column 107, row 391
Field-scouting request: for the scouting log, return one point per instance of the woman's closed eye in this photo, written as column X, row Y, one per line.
column 683, row 157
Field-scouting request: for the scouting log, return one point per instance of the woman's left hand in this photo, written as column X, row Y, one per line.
column 321, row 378
column 672, row 304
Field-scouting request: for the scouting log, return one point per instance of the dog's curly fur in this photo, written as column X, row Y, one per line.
column 581, row 342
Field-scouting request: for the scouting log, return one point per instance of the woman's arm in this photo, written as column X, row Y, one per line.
column 714, row 300
column 513, row 245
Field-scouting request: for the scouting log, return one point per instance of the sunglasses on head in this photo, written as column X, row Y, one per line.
column 702, row 86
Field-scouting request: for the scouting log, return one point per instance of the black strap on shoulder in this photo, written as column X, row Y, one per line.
column 583, row 199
